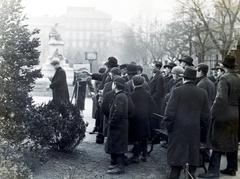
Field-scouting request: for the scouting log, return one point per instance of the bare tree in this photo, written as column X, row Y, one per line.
column 220, row 26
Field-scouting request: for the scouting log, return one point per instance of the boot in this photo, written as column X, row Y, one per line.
column 208, row 175
column 229, row 172
column 95, row 130
column 175, row 172
column 116, row 170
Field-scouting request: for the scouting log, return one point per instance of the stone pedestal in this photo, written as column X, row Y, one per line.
column 55, row 51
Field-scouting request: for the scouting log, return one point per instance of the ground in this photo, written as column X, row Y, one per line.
column 89, row 161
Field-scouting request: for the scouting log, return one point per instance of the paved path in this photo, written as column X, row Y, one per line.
column 90, row 161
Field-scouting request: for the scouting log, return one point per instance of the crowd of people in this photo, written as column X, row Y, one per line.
column 195, row 109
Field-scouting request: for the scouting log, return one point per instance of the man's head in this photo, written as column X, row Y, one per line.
column 139, row 69
column 131, row 69
column 123, row 69
column 186, row 61
column 137, row 81
column 111, row 62
column 115, row 71
column 202, row 70
column 156, row 66
column 177, row 72
column 229, row 62
column 118, row 83
column 55, row 64
column 220, row 70
column 168, row 68
column 189, row 74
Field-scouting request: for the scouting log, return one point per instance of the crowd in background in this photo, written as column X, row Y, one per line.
column 193, row 107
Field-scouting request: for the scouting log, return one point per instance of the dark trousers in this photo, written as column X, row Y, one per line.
column 140, row 147
column 176, row 171
column 215, row 161
column 117, row 159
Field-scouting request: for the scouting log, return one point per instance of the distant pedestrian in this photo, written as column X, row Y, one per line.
column 59, row 85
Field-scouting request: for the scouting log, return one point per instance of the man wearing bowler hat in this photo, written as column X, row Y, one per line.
column 186, row 61
column 187, row 106
column 224, row 128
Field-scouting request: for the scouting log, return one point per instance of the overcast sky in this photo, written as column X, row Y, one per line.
column 120, row 10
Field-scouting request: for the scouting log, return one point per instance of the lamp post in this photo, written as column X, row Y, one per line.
column 91, row 56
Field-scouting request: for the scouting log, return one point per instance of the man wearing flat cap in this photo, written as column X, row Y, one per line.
column 224, row 128
column 187, row 106
column 59, row 84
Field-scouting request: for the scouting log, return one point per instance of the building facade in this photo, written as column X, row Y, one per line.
column 83, row 29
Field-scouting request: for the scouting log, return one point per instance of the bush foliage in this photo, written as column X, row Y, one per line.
column 60, row 128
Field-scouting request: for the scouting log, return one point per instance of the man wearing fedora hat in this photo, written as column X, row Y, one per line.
column 187, row 106
column 224, row 128
column 59, row 84
column 186, row 61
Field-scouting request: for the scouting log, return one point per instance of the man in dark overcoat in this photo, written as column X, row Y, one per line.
column 80, row 88
column 117, row 136
column 144, row 106
column 205, row 83
column 157, row 86
column 59, row 85
column 223, row 133
column 104, row 78
column 168, row 76
column 187, row 106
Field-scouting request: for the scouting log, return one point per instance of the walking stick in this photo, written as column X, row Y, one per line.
column 74, row 90
column 188, row 175
column 158, row 115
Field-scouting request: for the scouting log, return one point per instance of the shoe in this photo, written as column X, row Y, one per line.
column 112, row 167
column 134, row 159
column 144, row 159
column 116, row 170
column 208, row 175
column 94, row 131
column 228, row 172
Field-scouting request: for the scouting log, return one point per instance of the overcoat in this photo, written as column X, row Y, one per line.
column 206, row 84
column 223, row 134
column 117, row 136
column 187, row 105
column 140, row 122
column 157, row 90
column 59, row 87
column 80, row 92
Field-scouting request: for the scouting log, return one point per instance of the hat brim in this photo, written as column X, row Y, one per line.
column 181, row 60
